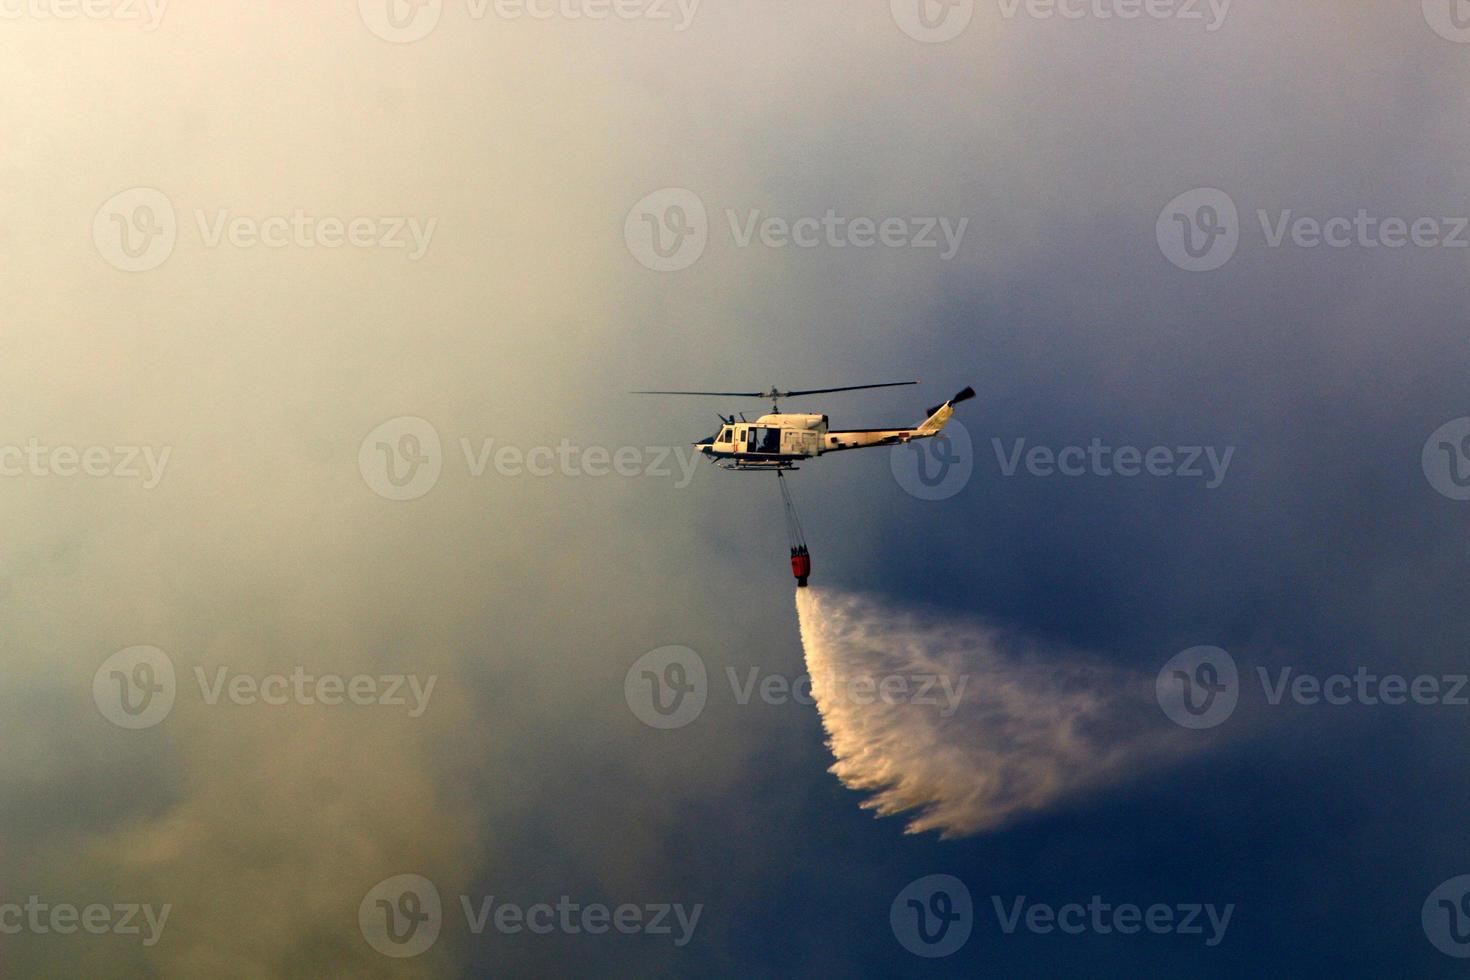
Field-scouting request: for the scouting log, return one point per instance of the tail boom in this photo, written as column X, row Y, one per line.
column 863, row 438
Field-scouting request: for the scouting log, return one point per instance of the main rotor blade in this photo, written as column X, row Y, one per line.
column 776, row 392
column 722, row 394
column 823, row 391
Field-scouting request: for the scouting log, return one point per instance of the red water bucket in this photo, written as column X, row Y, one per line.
column 801, row 565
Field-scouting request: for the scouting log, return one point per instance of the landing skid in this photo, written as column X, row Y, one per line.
column 757, row 467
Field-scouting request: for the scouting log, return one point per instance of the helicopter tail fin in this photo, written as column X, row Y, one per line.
column 940, row 414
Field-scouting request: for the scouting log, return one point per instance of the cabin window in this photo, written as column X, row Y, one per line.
column 765, row 440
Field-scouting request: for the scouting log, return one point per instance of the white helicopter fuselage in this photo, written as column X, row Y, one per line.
column 780, row 440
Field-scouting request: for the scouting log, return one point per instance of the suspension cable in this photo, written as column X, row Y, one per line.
column 793, row 517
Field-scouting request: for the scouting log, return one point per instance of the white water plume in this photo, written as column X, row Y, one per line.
column 968, row 727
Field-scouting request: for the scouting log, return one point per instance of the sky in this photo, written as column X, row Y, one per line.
column 342, row 568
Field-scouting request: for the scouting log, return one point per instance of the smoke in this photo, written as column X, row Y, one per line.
column 971, row 726
column 260, row 825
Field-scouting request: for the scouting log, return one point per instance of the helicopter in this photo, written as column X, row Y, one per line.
column 778, row 441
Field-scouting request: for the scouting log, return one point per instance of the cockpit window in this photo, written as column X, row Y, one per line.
column 724, row 435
